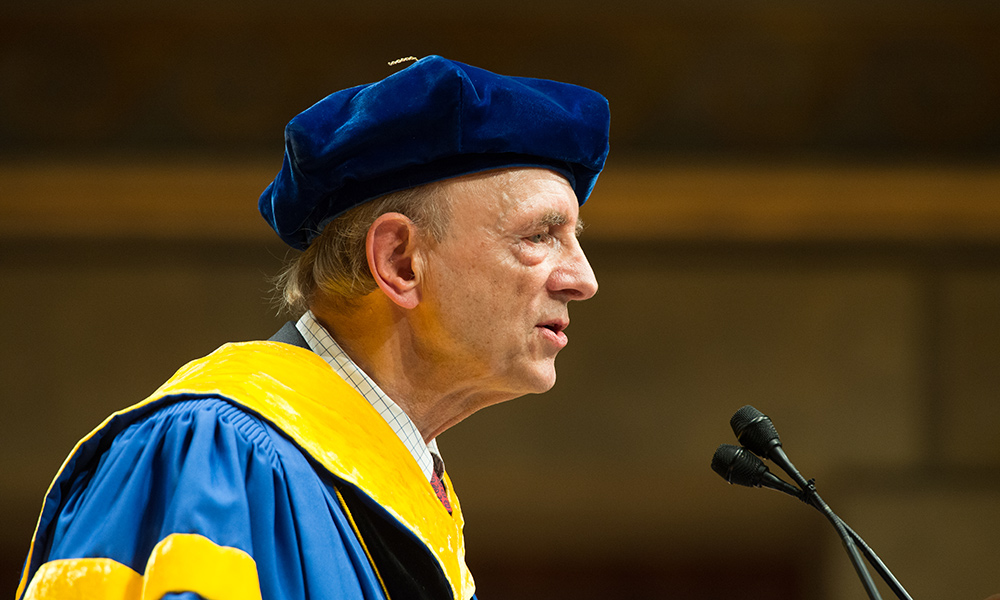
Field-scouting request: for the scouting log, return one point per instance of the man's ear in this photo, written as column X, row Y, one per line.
column 390, row 245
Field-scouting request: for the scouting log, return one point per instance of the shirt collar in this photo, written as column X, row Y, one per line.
column 322, row 343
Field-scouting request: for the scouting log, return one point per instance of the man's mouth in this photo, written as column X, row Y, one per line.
column 553, row 330
column 555, row 326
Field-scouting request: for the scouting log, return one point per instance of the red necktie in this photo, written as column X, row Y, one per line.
column 438, row 484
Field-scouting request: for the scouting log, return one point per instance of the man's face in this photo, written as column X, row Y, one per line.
column 495, row 290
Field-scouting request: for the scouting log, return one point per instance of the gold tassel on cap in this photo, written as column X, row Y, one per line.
column 393, row 63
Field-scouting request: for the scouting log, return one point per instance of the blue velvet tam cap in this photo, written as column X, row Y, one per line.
column 430, row 121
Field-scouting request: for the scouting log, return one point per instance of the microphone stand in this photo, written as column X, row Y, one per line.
column 810, row 496
column 750, row 471
column 809, row 489
column 876, row 562
column 756, row 432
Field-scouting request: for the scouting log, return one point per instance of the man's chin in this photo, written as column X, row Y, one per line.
column 535, row 377
column 542, row 381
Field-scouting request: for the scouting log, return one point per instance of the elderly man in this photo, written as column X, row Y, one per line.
column 437, row 211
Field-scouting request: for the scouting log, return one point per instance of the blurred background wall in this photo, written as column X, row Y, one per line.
column 800, row 213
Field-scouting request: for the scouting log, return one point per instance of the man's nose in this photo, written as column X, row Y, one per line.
column 575, row 277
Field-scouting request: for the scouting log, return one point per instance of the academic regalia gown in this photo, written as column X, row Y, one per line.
column 255, row 472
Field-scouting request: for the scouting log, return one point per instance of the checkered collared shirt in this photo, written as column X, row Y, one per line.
column 322, row 343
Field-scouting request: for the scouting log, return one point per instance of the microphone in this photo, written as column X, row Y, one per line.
column 738, row 466
column 756, row 432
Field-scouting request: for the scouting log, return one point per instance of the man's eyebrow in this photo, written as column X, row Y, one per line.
column 554, row 219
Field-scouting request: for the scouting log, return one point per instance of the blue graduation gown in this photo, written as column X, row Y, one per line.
column 253, row 473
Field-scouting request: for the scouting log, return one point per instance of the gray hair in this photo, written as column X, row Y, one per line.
column 336, row 264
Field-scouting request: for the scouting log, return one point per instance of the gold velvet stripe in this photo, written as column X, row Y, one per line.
column 179, row 563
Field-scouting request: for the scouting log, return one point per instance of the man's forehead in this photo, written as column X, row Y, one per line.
column 514, row 192
column 507, row 178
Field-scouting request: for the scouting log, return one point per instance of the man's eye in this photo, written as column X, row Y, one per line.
column 538, row 238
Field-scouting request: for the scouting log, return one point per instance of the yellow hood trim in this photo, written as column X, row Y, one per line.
column 296, row 389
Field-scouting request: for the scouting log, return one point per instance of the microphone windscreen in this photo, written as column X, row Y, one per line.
column 754, row 430
column 736, row 465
